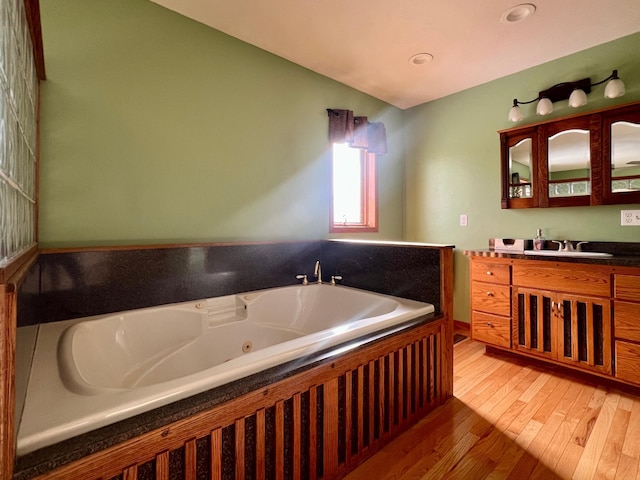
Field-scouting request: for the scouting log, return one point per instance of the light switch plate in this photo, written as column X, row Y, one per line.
column 630, row 218
column 464, row 220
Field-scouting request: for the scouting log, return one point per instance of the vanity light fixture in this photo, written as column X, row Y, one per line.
column 576, row 92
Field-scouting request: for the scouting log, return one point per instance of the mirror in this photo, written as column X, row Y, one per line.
column 625, row 157
column 520, row 158
column 584, row 159
column 569, row 163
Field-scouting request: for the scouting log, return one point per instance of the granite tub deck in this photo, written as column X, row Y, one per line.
column 66, row 280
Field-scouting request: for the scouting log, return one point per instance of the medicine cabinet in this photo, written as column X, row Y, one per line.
column 585, row 159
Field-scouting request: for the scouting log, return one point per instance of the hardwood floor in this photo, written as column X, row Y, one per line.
column 511, row 420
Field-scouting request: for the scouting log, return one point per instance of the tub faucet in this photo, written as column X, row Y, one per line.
column 317, row 272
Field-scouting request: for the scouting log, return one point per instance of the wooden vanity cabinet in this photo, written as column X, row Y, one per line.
column 559, row 311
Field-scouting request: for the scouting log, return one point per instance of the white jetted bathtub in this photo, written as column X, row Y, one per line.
column 90, row 372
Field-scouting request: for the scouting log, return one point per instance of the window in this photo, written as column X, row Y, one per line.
column 18, row 134
column 354, row 206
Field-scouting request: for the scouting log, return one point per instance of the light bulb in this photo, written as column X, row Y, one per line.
column 515, row 114
column 578, row 98
column 614, row 88
column 545, row 107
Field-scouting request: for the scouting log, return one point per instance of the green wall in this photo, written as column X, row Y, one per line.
column 158, row 129
column 453, row 161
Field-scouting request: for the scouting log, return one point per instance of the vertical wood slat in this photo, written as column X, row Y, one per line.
column 313, row 433
column 575, row 338
column 381, row 393
column 416, row 377
column 216, row 454
column 297, row 435
column 400, row 386
column 331, row 428
column 130, row 473
column 433, row 369
column 371, row 403
column 348, row 417
column 190, row 460
column 239, row 429
column 360, row 397
column 407, row 378
column 391, row 385
column 279, row 440
column 540, row 312
column 591, row 346
column 438, row 392
column 426, row 376
column 162, row 465
column 260, row 444
column 527, row 322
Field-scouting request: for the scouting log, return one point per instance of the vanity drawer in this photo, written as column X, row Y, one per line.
column 563, row 279
column 627, row 320
column 491, row 329
column 490, row 272
column 627, row 287
column 491, row 298
column 627, row 365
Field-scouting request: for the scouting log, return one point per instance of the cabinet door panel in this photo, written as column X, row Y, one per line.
column 533, row 322
column 584, row 332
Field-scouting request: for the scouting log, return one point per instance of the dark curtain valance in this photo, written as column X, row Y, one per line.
column 358, row 132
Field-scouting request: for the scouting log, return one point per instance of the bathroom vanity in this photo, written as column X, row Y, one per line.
column 583, row 313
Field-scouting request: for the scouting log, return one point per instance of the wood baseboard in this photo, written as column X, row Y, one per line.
column 462, row 327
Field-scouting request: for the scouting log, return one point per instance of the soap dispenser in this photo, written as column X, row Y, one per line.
column 538, row 240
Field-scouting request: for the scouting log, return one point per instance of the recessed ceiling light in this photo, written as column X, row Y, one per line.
column 420, row 58
column 518, row 13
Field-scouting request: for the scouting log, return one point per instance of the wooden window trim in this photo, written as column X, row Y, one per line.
column 369, row 201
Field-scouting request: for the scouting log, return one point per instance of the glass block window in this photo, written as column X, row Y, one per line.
column 18, row 132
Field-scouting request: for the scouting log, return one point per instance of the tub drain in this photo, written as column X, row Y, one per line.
column 247, row 346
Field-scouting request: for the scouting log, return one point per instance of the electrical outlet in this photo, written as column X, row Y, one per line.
column 630, row 218
column 464, row 220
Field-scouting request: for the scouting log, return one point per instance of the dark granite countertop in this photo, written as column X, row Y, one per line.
column 613, row 261
column 49, row 458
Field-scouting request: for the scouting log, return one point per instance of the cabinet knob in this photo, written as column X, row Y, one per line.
column 490, row 294
column 489, row 273
column 489, row 324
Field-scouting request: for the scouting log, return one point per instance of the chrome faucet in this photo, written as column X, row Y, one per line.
column 317, row 272
column 568, row 246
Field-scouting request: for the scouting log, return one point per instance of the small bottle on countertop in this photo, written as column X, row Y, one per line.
column 538, row 240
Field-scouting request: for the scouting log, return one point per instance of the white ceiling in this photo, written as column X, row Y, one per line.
column 366, row 44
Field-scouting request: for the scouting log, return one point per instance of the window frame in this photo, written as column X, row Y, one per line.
column 368, row 200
